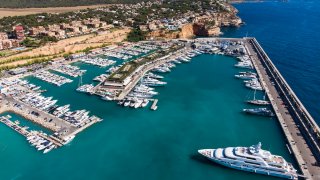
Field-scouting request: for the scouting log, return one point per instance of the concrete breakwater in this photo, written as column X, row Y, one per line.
column 299, row 127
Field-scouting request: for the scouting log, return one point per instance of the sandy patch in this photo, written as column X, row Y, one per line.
column 25, row 11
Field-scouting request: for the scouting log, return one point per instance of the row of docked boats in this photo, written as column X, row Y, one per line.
column 250, row 78
column 143, row 92
column 137, row 50
column 35, row 99
column 67, row 69
column 40, row 143
column 117, row 55
column 101, row 77
column 253, row 84
column 98, row 61
column 112, row 69
column 86, row 88
column 186, row 56
column 38, row 101
column 52, row 78
column 134, row 102
column 246, row 75
column 244, row 62
column 251, row 81
column 153, row 75
column 16, row 87
column 59, row 111
column 147, row 81
column 78, row 118
column 253, row 158
column 126, row 53
column 220, row 47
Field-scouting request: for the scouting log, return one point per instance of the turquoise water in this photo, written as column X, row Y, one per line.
column 23, row 122
column 199, row 108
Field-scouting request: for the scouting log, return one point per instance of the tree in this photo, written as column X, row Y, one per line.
column 136, row 35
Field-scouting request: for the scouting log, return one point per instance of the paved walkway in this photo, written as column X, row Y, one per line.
column 296, row 140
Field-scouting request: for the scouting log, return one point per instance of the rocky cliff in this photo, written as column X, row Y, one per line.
column 187, row 31
column 207, row 24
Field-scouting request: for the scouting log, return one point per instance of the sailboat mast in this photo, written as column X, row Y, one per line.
column 80, row 81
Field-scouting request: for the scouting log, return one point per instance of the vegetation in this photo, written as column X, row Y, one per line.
column 30, row 42
column 121, row 73
column 140, row 15
column 136, row 35
column 2, row 54
column 31, row 62
column 41, row 40
column 58, row 3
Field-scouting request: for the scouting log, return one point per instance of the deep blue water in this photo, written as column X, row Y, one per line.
column 289, row 33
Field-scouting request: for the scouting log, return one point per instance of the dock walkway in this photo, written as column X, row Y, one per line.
column 296, row 123
column 154, row 105
column 14, row 126
column 23, row 131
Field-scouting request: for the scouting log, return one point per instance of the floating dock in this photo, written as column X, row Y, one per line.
column 57, row 125
column 23, row 130
column 154, row 105
column 300, row 129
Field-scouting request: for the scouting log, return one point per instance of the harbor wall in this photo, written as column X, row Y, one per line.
column 301, row 118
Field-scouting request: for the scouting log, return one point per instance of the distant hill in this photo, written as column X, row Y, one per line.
column 58, row 3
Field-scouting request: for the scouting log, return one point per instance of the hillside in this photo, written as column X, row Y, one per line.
column 58, row 3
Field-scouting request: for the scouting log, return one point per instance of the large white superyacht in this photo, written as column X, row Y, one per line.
column 252, row 159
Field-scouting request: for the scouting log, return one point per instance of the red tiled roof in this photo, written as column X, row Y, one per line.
column 18, row 28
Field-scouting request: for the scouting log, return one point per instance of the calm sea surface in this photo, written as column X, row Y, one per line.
column 289, row 33
column 200, row 107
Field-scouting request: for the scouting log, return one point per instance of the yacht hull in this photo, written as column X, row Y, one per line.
column 251, row 169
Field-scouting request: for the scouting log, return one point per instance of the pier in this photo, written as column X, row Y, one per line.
column 14, row 126
column 23, row 131
column 135, row 76
column 300, row 129
column 154, row 105
column 58, row 125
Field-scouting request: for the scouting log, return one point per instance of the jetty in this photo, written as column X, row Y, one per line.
column 154, row 105
column 62, row 129
column 23, row 130
column 301, row 131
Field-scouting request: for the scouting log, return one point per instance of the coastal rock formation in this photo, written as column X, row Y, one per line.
column 200, row 29
column 163, row 34
column 187, row 31
column 228, row 19
column 207, row 24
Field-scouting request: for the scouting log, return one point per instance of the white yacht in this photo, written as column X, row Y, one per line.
column 252, row 159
